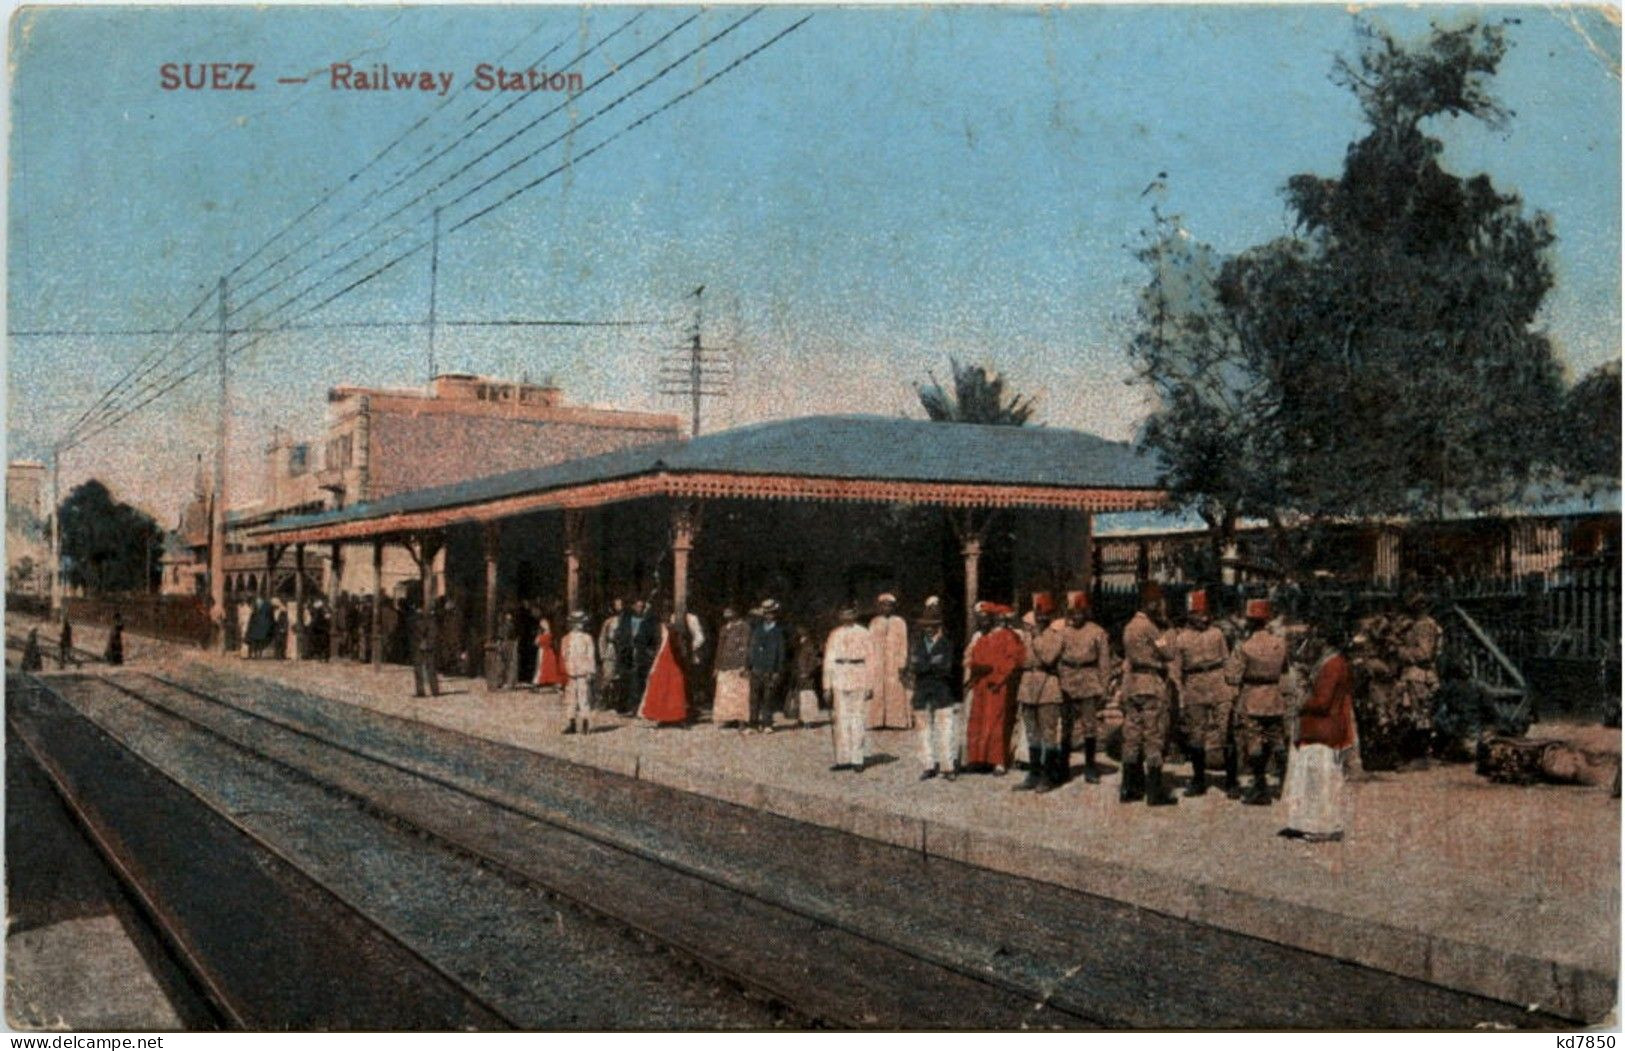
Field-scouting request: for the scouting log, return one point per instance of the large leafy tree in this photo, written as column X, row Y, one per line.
column 1591, row 421
column 977, row 395
column 1385, row 357
column 108, row 546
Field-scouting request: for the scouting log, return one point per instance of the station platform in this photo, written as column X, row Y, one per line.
column 1503, row 891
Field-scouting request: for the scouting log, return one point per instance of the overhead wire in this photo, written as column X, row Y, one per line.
column 532, row 184
column 149, row 361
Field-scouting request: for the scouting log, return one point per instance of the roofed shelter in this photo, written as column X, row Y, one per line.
column 814, row 511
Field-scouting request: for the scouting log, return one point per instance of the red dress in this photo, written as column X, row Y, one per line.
column 995, row 661
column 549, row 672
column 665, row 697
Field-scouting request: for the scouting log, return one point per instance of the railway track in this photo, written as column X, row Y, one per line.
column 48, row 650
column 821, row 974
column 280, row 951
column 824, row 942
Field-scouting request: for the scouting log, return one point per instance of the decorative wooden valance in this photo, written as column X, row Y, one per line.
column 724, row 486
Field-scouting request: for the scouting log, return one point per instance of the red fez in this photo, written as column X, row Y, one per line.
column 1258, row 609
column 1043, row 602
column 1151, row 591
column 1077, row 600
column 1196, row 602
column 986, row 608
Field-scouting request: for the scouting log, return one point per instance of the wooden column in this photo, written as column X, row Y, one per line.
column 971, row 548
column 273, row 555
column 423, row 552
column 685, row 523
column 335, row 573
column 297, row 630
column 1087, row 556
column 492, row 535
column 575, row 529
column 377, row 627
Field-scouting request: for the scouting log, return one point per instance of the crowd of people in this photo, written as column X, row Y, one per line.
column 1251, row 699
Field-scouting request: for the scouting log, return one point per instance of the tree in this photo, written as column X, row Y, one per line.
column 1591, row 422
column 1209, row 430
column 108, row 546
column 978, row 396
column 1383, row 358
column 21, row 578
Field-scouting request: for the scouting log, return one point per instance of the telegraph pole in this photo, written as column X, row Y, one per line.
column 696, row 371
column 56, row 530
column 434, row 280
column 694, row 359
column 217, row 504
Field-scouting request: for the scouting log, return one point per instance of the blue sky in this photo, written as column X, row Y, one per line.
column 881, row 188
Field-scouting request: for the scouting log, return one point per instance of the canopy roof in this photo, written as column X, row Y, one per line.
column 831, row 458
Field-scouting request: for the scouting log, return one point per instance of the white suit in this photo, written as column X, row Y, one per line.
column 579, row 656
column 848, row 654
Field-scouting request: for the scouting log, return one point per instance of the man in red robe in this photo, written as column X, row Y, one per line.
column 993, row 666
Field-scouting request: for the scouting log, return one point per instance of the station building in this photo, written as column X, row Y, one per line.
column 812, row 511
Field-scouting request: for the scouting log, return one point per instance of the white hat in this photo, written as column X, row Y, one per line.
column 887, row 596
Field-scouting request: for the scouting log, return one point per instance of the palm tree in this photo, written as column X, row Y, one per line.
column 978, row 396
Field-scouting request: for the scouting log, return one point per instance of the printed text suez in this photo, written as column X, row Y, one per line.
column 344, row 76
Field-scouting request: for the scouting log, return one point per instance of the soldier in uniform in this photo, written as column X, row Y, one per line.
column 1146, row 648
column 1418, row 651
column 1083, row 668
column 1039, row 697
column 1205, row 698
column 423, row 654
column 1256, row 667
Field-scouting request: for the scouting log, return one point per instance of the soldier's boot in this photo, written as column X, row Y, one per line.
column 1132, row 788
column 1046, row 770
column 1156, row 790
column 584, row 727
column 1060, row 766
column 1035, row 771
column 1198, row 785
column 1258, row 793
column 1091, row 772
column 1232, row 773
column 571, row 728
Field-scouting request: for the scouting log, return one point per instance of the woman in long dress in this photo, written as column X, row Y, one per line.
column 1313, row 790
column 665, row 695
column 549, row 672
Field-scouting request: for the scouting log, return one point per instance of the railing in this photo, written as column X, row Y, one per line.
column 178, row 618
column 37, row 605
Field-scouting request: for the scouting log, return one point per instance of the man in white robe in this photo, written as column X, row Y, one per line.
column 889, row 707
column 848, row 654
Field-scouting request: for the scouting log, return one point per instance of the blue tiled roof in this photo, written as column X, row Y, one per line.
column 872, row 448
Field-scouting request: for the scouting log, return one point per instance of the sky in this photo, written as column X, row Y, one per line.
column 876, row 190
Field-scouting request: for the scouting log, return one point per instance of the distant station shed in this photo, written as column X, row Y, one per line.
column 814, row 512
